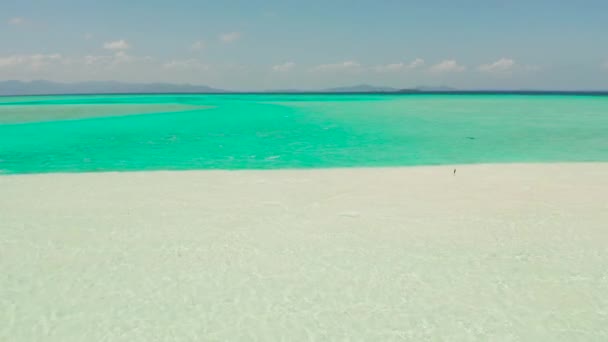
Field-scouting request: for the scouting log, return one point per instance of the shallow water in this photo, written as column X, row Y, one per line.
column 174, row 132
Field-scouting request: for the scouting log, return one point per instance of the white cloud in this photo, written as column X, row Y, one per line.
column 96, row 60
column 123, row 57
column 417, row 63
column 110, row 61
column 11, row 61
column 88, row 36
column 198, row 45
column 501, row 66
column 35, row 61
column 287, row 66
column 395, row 67
column 186, row 64
column 116, row 45
column 506, row 67
column 16, row 21
column 230, row 37
column 343, row 66
column 605, row 65
column 449, row 65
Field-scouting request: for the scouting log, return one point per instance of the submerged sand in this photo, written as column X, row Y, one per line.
column 41, row 113
column 494, row 253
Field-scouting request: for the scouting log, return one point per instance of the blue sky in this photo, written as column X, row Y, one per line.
column 254, row 45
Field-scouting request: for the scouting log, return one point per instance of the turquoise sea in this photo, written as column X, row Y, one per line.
column 40, row 134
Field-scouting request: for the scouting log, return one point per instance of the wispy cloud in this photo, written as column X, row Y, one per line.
column 16, row 21
column 417, row 63
column 35, row 61
column 506, row 67
column 116, row 45
column 447, row 66
column 396, row 67
column 230, row 37
column 186, row 64
column 198, row 45
column 605, row 66
column 96, row 60
column 88, row 36
column 501, row 66
column 111, row 61
column 343, row 66
column 287, row 66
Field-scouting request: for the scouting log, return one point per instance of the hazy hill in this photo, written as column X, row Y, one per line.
column 97, row 87
column 41, row 87
column 361, row 88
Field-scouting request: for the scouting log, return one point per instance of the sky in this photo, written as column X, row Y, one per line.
column 260, row 45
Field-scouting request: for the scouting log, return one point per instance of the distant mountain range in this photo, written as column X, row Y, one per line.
column 426, row 88
column 361, row 88
column 98, row 87
column 364, row 88
column 42, row 87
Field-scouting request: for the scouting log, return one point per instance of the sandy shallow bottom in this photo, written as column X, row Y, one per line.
column 495, row 253
column 31, row 113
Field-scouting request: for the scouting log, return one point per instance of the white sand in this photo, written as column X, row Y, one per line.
column 495, row 253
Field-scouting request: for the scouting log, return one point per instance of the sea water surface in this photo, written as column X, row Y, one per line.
column 41, row 134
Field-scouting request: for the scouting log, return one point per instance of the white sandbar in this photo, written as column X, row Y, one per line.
column 494, row 253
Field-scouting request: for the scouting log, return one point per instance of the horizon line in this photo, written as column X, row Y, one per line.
column 403, row 92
